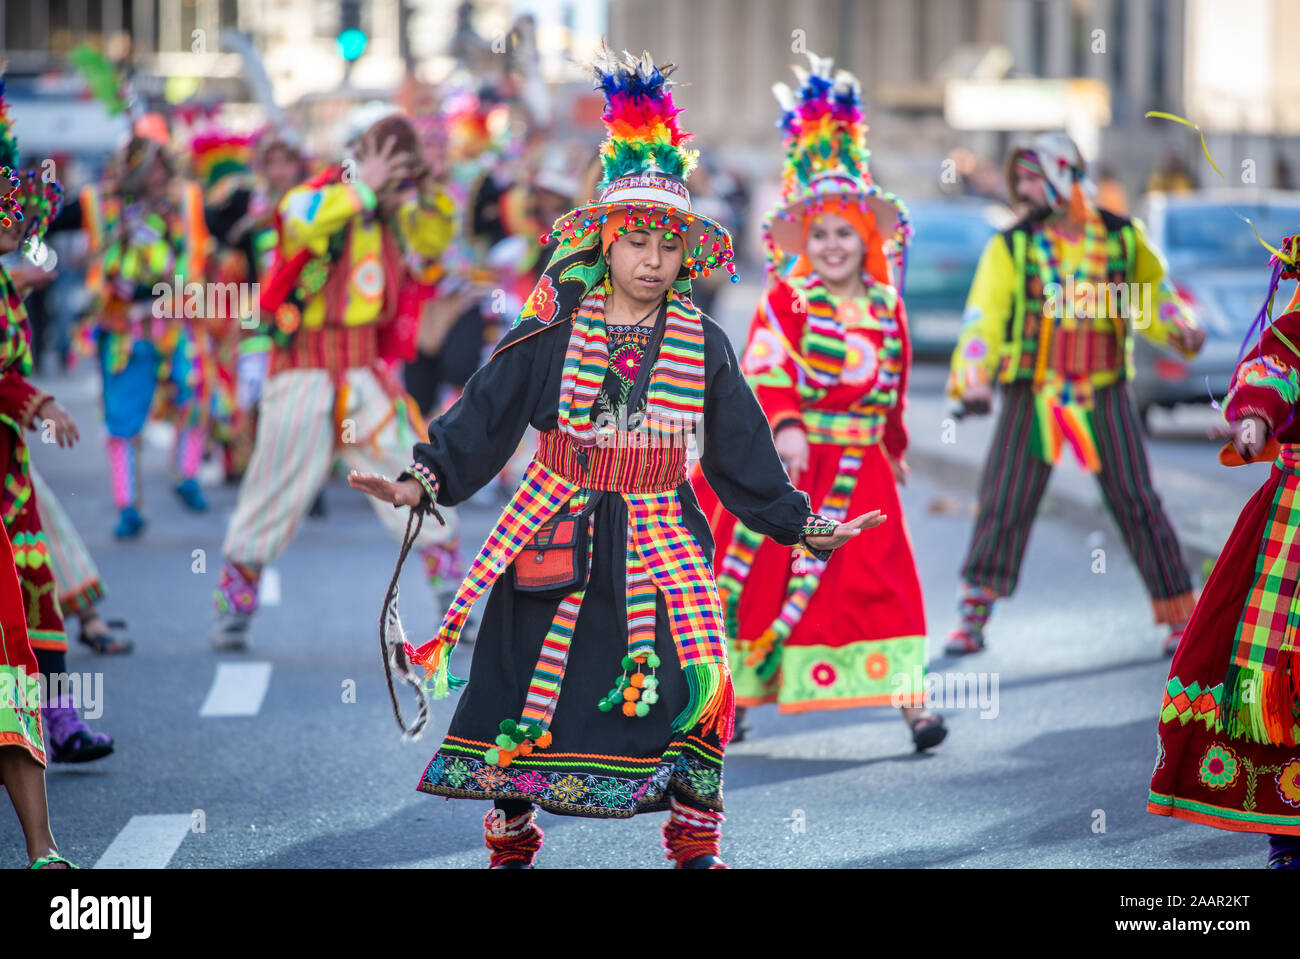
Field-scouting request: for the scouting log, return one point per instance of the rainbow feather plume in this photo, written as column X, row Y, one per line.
column 641, row 119
column 823, row 126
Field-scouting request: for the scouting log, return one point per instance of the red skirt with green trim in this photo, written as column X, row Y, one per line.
column 860, row 641
column 1203, row 774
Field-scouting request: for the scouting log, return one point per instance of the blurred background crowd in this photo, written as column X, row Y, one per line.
column 949, row 85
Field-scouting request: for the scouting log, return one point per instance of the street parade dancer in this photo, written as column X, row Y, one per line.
column 1228, row 741
column 828, row 356
column 22, row 747
column 145, row 227
column 23, row 407
column 599, row 686
column 344, row 244
column 1041, row 321
column 80, row 588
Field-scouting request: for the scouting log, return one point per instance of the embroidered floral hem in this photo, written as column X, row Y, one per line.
column 877, row 672
column 588, row 785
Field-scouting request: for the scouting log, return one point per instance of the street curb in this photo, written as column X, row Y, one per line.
column 1087, row 512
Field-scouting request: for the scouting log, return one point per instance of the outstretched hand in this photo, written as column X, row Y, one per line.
column 406, row 493
column 846, row 531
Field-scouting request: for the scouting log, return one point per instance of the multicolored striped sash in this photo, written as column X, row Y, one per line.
column 662, row 557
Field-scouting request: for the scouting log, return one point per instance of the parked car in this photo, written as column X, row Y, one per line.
column 949, row 236
column 1220, row 269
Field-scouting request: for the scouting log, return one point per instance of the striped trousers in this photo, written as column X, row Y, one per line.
column 1012, row 485
column 302, row 423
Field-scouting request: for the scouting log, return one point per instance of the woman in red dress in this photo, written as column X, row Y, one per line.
column 828, row 355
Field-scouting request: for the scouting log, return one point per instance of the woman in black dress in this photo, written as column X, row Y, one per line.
column 620, row 373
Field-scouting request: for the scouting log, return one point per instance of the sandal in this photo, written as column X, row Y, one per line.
column 106, row 644
column 928, row 732
column 49, row 859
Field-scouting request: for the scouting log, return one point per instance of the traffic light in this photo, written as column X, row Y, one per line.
column 352, row 38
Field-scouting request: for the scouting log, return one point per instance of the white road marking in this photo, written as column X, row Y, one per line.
column 237, row 689
column 268, row 589
column 146, row 842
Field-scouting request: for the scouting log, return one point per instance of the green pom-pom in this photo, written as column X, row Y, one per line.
column 653, row 661
column 604, row 705
column 642, row 709
column 492, row 757
column 534, row 731
column 508, row 726
column 629, row 662
column 650, row 682
column 649, row 696
column 504, row 741
column 518, row 736
column 616, row 692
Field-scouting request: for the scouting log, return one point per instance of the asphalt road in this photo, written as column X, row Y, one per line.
column 1061, row 750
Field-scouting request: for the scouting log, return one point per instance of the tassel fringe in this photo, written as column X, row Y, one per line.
column 1260, row 707
column 712, row 703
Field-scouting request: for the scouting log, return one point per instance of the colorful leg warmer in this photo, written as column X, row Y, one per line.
column 691, row 833
column 237, row 589
column 512, row 840
column 974, row 605
column 122, row 469
column 189, row 451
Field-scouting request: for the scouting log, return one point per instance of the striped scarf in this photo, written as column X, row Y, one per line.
column 675, row 397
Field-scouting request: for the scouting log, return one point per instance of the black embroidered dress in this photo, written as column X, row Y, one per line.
column 599, row 764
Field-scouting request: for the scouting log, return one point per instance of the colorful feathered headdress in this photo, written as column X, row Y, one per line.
column 824, row 134
column 645, row 165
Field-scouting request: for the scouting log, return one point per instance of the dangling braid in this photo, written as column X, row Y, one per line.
column 512, row 840
column 691, row 833
column 392, row 637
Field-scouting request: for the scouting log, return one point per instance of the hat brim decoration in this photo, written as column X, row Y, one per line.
column 826, row 164
column 646, row 165
column 41, row 199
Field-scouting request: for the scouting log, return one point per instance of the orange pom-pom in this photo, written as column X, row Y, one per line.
column 631, row 693
column 524, row 748
column 637, row 680
column 506, row 759
column 544, row 740
column 629, row 708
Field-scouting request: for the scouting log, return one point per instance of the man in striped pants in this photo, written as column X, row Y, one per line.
column 1050, row 316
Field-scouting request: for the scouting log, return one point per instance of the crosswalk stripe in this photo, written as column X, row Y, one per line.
column 146, row 842
column 268, row 587
column 237, row 689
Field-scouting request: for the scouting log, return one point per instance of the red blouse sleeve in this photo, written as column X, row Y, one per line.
column 895, row 430
column 767, row 363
